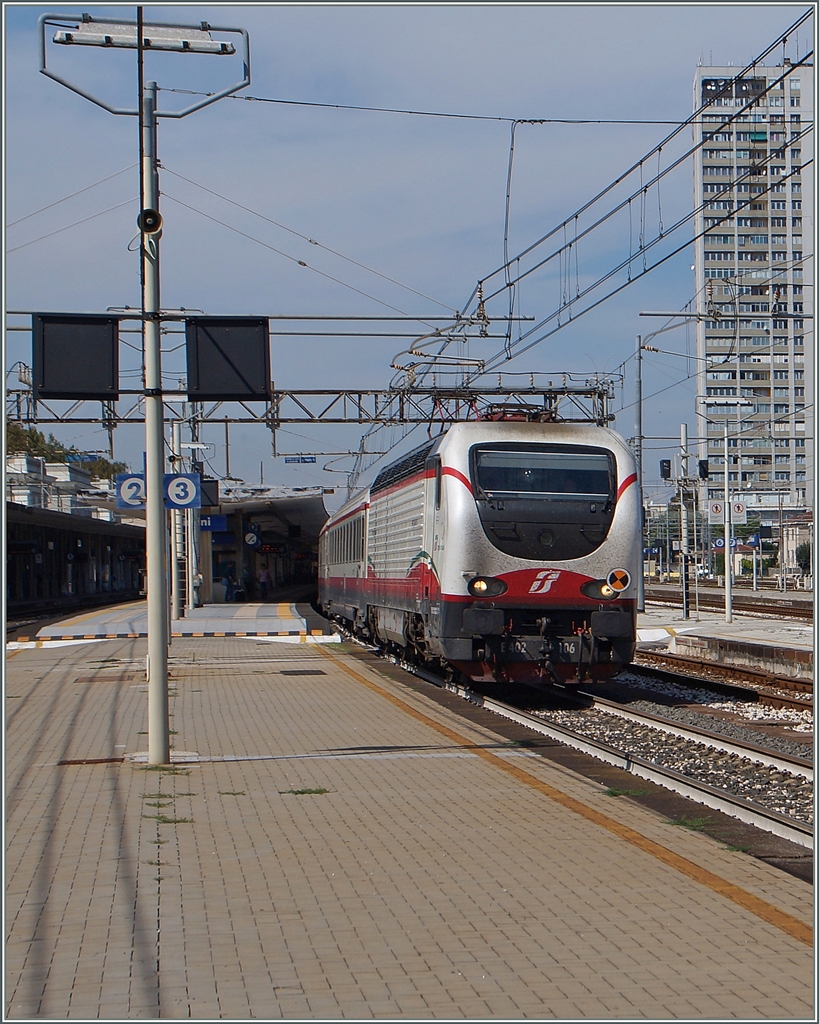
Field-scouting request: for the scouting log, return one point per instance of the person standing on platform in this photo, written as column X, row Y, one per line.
column 264, row 581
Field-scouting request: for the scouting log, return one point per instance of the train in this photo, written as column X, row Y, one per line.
column 502, row 551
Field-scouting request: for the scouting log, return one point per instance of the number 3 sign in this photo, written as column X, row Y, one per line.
column 182, row 490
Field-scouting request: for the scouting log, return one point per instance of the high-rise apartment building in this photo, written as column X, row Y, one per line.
column 754, row 279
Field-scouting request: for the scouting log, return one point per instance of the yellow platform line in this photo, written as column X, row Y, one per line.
column 748, row 901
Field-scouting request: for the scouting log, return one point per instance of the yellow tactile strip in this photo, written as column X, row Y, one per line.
column 760, row 908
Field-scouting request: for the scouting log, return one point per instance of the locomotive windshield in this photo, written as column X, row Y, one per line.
column 542, row 501
column 538, row 471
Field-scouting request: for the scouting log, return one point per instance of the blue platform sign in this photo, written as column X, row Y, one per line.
column 300, row 458
column 130, row 490
column 216, row 524
column 182, row 490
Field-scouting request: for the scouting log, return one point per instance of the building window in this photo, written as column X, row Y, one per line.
column 795, row 101
column 782, row 475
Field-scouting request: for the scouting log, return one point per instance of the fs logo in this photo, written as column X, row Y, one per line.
column 543, row 581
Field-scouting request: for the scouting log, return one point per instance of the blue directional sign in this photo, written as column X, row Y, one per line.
column 300, row 458
column 182, row 490
column 216, row 524
column 130, row 490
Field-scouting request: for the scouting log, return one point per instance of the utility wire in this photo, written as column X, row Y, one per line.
column 74, row 225
column 429, row 113
column 622, row 177
column 287, row 256
column 498, row 359
column 72, row 196
column 306, row 238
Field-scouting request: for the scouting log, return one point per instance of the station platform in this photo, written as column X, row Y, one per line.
column 330, row 843
column 778, row 645
column 130, row 621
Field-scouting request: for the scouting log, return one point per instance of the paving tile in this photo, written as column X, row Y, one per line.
column 418, row 887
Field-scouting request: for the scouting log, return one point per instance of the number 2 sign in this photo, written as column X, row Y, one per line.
column 130, row 490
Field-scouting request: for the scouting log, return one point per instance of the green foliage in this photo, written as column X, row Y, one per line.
column 22, row 440
column 103, row 469
column 803, row 557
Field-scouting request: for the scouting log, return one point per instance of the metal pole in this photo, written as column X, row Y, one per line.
column 726, row 512
column 177, row 536
column 638, row 459
column 781, row 544
column 158, row 722
column 684, row 518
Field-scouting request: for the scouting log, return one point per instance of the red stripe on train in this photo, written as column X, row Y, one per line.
column 624, row 486
column 449, row 471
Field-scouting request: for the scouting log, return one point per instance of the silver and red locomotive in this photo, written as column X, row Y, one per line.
column 507, row 550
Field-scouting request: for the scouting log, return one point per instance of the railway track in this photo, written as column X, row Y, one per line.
column 784, row 608
column 755, row 684
column 724, row 770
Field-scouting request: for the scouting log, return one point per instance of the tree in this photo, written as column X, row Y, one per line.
column 103, row 469
column 803, row 557
column 22, row 440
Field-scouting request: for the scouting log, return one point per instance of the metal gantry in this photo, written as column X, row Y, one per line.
column 571, row 403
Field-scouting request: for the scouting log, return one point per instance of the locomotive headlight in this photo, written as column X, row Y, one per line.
column 486, row 586
column 599, row 590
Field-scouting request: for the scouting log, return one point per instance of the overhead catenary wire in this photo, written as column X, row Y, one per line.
column 692, row 119
column 499, row 357
column 429, row 113
column 306, row 238
column 636, row 195
column 73, row 195
column 287, row 256
column 76, row 223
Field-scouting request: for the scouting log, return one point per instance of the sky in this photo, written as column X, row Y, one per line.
column 408, row 210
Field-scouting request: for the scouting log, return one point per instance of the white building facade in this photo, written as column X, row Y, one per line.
column 754, row 279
